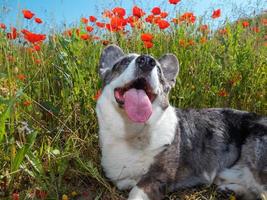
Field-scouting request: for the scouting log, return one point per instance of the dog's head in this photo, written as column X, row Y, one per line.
column 137, row 84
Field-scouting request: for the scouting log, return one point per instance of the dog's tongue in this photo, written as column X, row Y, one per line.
column 137, row 105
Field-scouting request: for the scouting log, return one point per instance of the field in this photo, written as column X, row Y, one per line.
column 49, row 86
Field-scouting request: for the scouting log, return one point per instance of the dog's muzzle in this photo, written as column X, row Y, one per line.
column 145, row 63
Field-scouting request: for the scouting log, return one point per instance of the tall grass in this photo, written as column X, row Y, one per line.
column 48, row 129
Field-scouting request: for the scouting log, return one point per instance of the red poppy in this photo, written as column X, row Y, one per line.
column 100, row 24
column 119, row 11
column 84, row 36
column 117, row 23
column 189, row 17
column 191, row 42
column 27, row 103
column 138, row 12
column 21, row 77
column 33, row 37
column 264, row 21
column 38, row 20
column 163, row 14
column 27, row 14
column 174, row 1
column 223, row 93
column 255, row 29
column 149, row 19
column 163, row 24
column 89, row 28
column 2, row 26
column 223, row 31
column 147, row 37
column 41, row 194
column 37, row 47
column 156, row 11
column 37, row 61
column 245, row 24
column 13, row 34
column 84, row 20
column 204, row 28
column 216, row 14
column 203, row 40
column 182, row 42
column 107, row 13
column 97, row 95
column 148, row 44
column 92, row 19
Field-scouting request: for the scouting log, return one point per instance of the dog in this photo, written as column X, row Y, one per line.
column 152, row 148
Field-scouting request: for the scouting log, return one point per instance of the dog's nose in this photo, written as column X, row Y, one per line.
column 145, row 63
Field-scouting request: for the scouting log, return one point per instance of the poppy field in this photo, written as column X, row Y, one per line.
column 49, row 86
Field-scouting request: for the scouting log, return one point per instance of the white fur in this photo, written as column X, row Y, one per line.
column 137, row 194
column 125, row 162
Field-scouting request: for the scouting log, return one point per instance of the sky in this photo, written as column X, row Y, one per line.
column 59, row 13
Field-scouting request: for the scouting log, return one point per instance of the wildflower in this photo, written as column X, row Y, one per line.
column 204, row 28
column 27, row 103
column 148, row 44
column 89, row 28
column 118, row 11
column 13, row 34
column 37, row 61
column 38, row 20
column 223, row 31
column 84, row 36
column 163, row 14
column 37, row 48
column 146, row 37
column 188, row 17
column 2, row 26
column 223, row 93
column 150, row 19
column 156, row 11
column 41, row 194
column 191, row 42
column 245, row 24
column 138, row 12
column 203, row 40
column 163, row 24
column 216, row 14
column 97, row 95
column 15, row 196
column 27, row 14
column 92, row 19
column 107, row 14
column 74, row 193
column 100, row 24
column 255, row 29
column 174, row 1
column 264, row 21
column 33, row 37
column 21, row 77
column 65, row 197
column 117, row 23
column 182, row 42
column 84, row 20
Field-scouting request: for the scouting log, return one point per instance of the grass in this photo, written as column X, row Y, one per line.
column 48, row 129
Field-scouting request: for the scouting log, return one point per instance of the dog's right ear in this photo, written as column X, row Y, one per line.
column 108, row 58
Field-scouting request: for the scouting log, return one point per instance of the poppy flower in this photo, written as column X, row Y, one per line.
column 163, row 24
column 100, row 24
column 84, row 36
column 204, row 28
column 203, row 40
column 191, row 42
column 174, row 1
column 245, row 24
column 156, row 11
column 21, row 77
column 255, row 29
column 41, row 194
column 182, row 42
column 37, row 61
column 89, row 28
column 118, row 11
column 216, row 14
column 2, row 26
column 223, row 93
column 92, row 19
column 27, row 103
column 138, row 12
column 37, row 47
column 149, row 19
column 27, row 14
column 107, row 13
column 164, row 14
column 148, row 44
column 38, row 20
column 84, row 20
column 223, row 31
column 13, row 34
column 188, row 17
column 117, row 23
column 147, row 37
column 97, row 95
column 264, row 21
column 33, row 37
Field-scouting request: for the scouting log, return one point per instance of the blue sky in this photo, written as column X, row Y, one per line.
column 56, row 13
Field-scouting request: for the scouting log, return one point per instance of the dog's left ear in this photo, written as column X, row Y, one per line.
column 170, row 67
column 108, row 58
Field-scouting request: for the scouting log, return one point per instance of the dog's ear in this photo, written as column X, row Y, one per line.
column 170, row 67
column 108, row 58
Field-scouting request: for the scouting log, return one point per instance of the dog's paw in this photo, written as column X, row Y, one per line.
column 137, row 194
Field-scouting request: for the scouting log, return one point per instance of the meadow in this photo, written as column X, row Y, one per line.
column 49, row 86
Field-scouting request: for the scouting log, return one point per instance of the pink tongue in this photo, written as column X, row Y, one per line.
column 137, row 105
